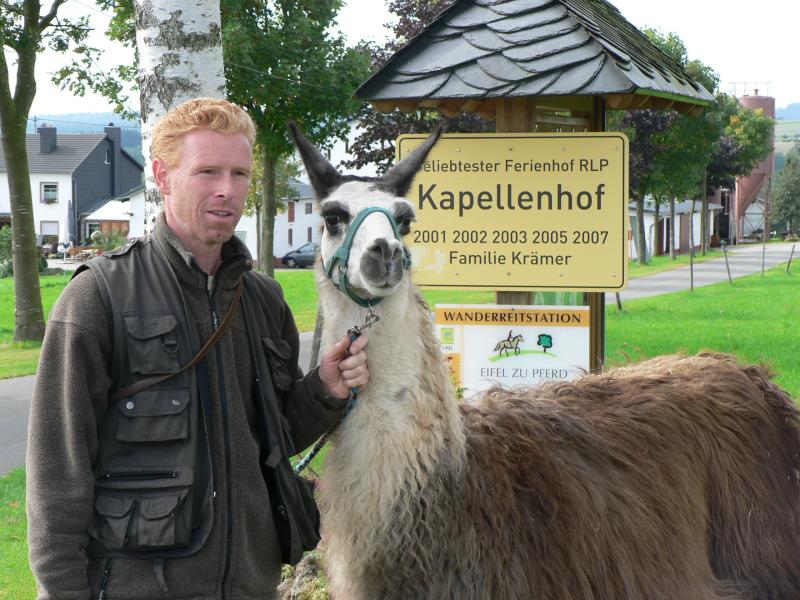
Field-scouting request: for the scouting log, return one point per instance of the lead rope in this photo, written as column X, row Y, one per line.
column 353, row 333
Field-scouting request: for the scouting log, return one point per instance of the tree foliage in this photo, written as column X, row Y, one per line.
column 374, row 141
column 786, row 193
column 283, row 61
column 25, row 31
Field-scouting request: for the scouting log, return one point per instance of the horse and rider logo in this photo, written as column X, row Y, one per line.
column 512, row 343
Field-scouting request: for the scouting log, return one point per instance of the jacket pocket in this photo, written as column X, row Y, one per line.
column 111, row 520
column 158, row 415
column 152, row 344
column 279, row 354
column 157, row 515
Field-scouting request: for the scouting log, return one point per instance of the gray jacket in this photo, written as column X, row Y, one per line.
column 241, row 557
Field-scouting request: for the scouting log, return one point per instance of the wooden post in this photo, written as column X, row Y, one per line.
column 518, row 115
column 515, row 115
column 597, row 300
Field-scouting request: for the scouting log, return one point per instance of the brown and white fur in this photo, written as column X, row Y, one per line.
column 674, row 479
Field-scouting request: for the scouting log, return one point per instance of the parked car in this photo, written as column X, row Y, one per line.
column 304, row 256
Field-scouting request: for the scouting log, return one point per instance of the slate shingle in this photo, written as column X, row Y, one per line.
column 70, row 151
column 499, row 48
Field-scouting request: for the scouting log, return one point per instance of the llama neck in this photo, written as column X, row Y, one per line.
column 406, row 426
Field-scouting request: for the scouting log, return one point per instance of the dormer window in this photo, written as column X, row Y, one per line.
column 49, row 193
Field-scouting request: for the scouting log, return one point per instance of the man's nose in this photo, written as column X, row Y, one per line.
column 225, row 185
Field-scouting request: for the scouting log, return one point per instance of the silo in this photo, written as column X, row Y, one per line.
column 752, row 192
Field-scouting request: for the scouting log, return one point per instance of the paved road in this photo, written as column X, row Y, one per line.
column 15, row 394
column 15, row 401
column 743, row 260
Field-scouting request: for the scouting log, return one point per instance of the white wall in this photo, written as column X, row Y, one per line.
column 300, row 226
column 57, row 211
column 136, row 208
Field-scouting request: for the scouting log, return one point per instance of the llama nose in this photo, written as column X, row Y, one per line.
column 382, row 251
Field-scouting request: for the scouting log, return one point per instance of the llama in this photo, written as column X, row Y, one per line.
column 677, row 478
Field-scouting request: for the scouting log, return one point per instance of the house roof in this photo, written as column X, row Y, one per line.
column 112, row 210
column 303, row 190
column 71, row 150
column 479, row 50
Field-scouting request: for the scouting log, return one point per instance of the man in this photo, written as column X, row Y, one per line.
column 181, row 489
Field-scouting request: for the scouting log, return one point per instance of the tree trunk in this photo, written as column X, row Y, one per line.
column 180, row 58
column 672, row 228
column 641, row 243
column 14, row 109
column 656, row 228
column 28, row 313
column 265, row 248
column 705, row 234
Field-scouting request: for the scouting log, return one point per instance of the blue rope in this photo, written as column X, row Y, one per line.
column 355, row 333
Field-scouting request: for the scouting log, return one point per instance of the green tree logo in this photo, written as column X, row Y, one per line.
column 545, row 341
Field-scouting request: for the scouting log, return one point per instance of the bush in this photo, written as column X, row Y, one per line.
column 5, row 244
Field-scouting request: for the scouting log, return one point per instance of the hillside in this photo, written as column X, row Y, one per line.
column 789, row 113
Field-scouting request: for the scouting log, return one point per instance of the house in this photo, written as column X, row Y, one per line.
column 687, row 227
column 72, row 175
column 299, row 223
column 117, row 216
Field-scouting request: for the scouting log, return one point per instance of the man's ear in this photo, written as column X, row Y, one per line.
column 160, row 173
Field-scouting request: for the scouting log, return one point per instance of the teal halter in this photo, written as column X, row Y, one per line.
column 342, row 256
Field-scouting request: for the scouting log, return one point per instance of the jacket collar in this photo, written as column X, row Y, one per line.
column 236, row 258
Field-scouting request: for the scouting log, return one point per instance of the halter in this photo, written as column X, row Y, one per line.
column 342, row 256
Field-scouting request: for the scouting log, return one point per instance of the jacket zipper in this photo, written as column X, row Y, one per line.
column 101, row 594
column 139, row 476
column 226, row 440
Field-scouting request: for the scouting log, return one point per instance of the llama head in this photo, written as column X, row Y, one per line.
column 365, row 219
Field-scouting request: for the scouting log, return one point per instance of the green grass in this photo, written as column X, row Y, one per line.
column 16, row 580
column 755, row 318
column 21, row 358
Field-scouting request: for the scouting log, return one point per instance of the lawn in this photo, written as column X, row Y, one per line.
column 16, row 581
column 756, row 319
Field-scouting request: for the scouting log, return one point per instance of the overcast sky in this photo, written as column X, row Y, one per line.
column 749, row 44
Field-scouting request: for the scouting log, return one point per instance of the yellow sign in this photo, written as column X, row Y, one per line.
column 521, row 212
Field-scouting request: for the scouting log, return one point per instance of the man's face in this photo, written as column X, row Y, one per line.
column 204, row 194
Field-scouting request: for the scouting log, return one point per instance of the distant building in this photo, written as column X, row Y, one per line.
column 72, row 175
column 687, row 227
column 746, row 209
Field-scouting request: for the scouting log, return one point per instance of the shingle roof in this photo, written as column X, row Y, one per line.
column 70, row 151
column 486, row 49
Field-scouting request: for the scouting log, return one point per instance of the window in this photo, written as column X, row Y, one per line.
column 49, row 228
column 49, row 193
column 309, row 209
column 108, row 156
column 291, row 212
column 290, row 238
column 308, row 237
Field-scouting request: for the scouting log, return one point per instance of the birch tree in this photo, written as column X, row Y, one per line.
column 179, row 49
column 24, row 32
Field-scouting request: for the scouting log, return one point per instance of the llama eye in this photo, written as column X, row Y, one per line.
column 405, row 227
column 332, row 222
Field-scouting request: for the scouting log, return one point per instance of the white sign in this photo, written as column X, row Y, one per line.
column 487, row 344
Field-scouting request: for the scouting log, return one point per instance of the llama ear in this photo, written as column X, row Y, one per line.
column 321, row 173
column 399, row 178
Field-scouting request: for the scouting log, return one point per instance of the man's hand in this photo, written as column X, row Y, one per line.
column 344, row 366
